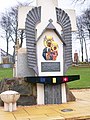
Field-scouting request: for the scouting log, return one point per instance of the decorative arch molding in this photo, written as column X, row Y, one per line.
column 64, row 21
column 33, row 18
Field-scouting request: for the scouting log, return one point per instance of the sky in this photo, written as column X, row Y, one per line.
column 69, row 4
column 64, row 4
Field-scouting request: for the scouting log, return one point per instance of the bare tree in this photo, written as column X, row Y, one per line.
column 80, row 34
column 86, row 23
column 81, row 1
column 6, row 26
column 9, row 24
column 86, row 20
column 83, row 33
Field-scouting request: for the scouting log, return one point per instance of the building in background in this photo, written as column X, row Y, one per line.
column 4, row 58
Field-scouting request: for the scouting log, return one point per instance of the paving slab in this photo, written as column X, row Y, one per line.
column 78, row 110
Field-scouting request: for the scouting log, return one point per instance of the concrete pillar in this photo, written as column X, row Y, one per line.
column 40, row 94
column 63, row 92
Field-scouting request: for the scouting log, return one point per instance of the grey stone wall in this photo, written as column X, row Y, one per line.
column 53, row 94
column 22, row 66
column 27, row 90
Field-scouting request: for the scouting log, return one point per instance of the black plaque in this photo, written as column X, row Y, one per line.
column 50, row 66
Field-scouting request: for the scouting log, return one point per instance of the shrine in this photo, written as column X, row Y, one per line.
column 48, row 52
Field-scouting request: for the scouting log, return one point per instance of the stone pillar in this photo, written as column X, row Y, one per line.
column 40, row 94
column 63, row 90
column 16, row 52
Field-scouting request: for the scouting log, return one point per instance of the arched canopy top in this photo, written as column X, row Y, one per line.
column 33, row 18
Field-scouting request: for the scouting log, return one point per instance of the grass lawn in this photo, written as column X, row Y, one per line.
column 84, row 73
column 6, row 73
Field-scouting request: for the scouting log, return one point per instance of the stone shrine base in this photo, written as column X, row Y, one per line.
column 28, row 91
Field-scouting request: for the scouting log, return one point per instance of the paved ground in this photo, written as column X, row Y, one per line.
column 80, row 110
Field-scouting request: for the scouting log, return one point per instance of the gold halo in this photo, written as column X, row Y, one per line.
column 54, row 44
column 48, row 39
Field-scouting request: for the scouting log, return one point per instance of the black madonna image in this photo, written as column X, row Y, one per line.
column 50, row 52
